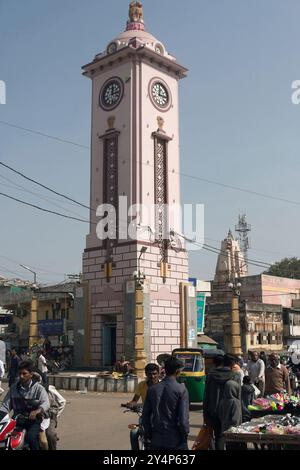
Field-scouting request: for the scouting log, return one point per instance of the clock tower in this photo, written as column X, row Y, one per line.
column 135, row 181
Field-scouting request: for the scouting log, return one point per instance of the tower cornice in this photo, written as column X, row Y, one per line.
column 134, row 51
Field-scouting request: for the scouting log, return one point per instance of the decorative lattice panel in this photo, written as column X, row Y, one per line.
column 161, row 197
column 110, row 183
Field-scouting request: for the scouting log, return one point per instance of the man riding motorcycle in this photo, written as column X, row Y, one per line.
column 152, row 378
column 17, row 398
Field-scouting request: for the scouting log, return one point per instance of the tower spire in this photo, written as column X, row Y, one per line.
column 136, row 17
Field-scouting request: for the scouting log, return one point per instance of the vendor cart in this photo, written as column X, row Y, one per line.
column 266, row 440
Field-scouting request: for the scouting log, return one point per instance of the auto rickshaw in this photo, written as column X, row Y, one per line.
column 193, row 373
column 196, row 363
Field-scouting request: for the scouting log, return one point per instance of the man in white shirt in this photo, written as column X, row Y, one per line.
column 42, row 367
column 48, row 435
column 57, row 406
column 256, row 371
column 2, row 372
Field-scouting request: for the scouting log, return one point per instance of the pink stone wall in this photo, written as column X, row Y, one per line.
column 108, row 298
column 280, row 290
column 270, row 290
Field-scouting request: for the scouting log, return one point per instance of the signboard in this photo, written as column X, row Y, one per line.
column 130, row 287
column 193, row 280
column 79, row 293
column 51, row 327
column 200, row 301
column 3, row 352
column 191, row 316
column 6, row 319
column 191, row 291
column 191, row 337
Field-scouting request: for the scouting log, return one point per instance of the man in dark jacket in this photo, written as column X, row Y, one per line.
column 13, row 373
column 214, row 388
column 230, row 409
column 166, row 411
column 248, row 395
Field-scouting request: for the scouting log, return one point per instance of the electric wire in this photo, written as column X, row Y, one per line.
column 21, row 188
column 185, row 175
column 31, row 131
column 45, row 210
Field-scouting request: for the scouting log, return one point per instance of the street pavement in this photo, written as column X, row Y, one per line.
column 95, row 421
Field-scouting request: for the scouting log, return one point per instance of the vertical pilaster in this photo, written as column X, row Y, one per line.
column 235, row 326
column 33, row 327
column 140, row 356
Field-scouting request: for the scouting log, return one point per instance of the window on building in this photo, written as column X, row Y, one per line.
column 67, row 314
column 47, row 315
column 63, row 313
column 54, row 315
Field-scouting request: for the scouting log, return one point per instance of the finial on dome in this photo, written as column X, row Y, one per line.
column 136, row 16
column 136, row 12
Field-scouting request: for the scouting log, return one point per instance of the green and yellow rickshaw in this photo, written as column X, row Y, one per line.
column 197, row 362
column 193, row 373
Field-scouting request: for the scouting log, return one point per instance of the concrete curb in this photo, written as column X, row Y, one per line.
column 94, row 383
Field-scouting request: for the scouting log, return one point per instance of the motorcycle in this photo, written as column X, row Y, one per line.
column 12, row 436
column 53, row 366
column 12, row 432
column 59, row 364
column 137, row 434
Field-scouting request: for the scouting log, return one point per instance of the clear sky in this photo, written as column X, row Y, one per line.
column 238, row 124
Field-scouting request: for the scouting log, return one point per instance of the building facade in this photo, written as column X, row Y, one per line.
column 270, row 289
column 55, row 314
column 134, row 176
column 261, row 326
column 267, row 320
column 291, row 325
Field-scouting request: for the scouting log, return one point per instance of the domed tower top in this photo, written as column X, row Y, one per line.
column 135, row 33
column 135, row 40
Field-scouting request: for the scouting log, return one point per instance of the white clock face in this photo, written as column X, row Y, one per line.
column 160, row 94
column 111, row 94
column 112, row 47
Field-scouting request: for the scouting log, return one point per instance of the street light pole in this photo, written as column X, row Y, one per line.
column 33, row 272
column 236, row 348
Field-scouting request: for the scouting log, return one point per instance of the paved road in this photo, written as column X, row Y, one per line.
column 95, row 421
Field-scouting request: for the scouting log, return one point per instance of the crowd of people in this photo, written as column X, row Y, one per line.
column 231, row 386
column 28, row 383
